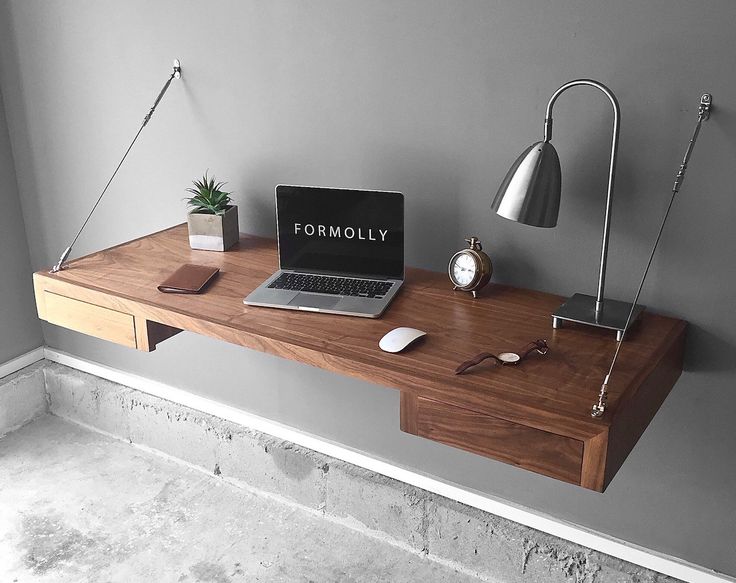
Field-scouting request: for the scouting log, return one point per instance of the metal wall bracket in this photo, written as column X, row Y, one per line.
column 706, row 100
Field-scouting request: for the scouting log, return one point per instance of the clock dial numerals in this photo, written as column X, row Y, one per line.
column 464, row 270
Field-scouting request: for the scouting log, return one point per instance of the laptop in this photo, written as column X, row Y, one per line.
column 341, row 251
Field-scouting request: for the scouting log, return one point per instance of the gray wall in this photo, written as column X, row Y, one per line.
column 19, row 328
column 434, row 99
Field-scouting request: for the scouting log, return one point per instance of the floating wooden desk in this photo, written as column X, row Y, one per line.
column 536, row 416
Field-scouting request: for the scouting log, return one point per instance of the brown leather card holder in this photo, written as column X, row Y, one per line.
column 188, row 279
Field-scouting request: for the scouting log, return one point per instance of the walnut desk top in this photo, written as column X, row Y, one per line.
column 535, row 416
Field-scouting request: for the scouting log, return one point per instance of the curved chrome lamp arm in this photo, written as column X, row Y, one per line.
column 611, row 169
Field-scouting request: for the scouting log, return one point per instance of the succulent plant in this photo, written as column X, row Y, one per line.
column 209, row 198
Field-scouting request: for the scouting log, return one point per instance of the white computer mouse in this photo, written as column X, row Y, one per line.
column 399, row 338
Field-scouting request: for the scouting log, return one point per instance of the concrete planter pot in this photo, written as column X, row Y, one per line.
column 213, row 232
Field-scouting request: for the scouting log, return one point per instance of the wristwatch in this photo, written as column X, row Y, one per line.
column 506, row 358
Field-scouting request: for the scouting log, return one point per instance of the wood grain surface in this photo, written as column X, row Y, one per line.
column 90, row 319
column 551, row 393
column 540, row 451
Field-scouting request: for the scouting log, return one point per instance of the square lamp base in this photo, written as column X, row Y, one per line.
column 580, row 309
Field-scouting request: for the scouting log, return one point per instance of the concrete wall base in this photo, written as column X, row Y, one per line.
column 22, row 397
column 494, row 548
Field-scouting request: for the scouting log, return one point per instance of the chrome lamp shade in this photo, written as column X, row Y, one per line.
column 530, row 194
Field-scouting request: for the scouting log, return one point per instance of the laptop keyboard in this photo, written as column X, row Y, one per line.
column 325, row 284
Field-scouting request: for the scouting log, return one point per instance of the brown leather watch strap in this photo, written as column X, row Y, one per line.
column 476, row 360
column 539, row 346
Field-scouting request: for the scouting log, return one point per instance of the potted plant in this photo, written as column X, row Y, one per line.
column 212, row 219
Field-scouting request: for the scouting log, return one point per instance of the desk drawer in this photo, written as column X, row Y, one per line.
column 90, row 319
column 540, row 451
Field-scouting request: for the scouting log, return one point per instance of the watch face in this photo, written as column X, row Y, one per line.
column 509, row 357
column 464, row 269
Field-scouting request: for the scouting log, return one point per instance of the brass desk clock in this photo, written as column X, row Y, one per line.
column 470, row 269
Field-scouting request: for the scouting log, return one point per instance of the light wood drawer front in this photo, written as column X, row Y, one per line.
column 540, row 451
column 90, row 319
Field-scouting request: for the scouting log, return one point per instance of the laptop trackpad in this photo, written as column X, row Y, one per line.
column 315, row 301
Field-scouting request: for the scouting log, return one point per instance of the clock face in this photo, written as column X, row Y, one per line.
column 464, row 269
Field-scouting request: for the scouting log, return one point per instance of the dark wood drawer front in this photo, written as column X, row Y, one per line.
column 549, row 454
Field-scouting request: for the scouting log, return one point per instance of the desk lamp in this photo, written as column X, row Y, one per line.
column 530, row 194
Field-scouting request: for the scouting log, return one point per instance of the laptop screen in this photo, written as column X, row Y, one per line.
column 331, row 230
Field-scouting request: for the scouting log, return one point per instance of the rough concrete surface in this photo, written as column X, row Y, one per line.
column 76, row 505
column 378, row 503
column 469, row 540
column 22, row 397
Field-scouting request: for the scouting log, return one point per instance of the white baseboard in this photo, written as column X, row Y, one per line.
column 632, row 553
column 22, row 361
